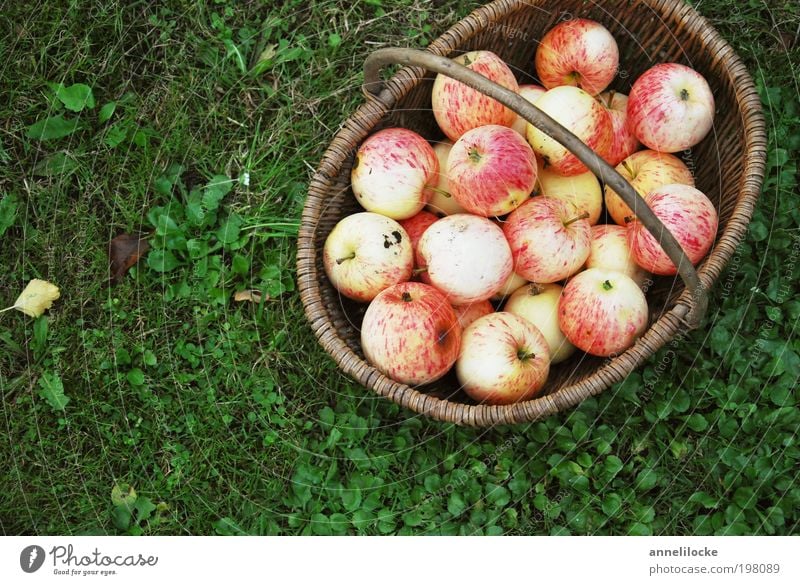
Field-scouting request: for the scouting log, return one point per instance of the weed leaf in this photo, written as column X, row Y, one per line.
column 51, row 388
column 76, row 97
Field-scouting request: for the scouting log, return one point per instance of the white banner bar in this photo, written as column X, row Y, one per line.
column 354, row 560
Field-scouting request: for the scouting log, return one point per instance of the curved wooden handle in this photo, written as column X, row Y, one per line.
column 413, row 57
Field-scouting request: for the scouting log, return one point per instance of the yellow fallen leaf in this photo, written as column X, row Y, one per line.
column 254, row 296
column 37, row 297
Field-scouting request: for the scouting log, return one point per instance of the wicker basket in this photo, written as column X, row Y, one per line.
column 648, row 32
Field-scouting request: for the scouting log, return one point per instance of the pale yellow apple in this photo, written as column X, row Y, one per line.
column 583, row 191
column 442, row 202
column 538, row 304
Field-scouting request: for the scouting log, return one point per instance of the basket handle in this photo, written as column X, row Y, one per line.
column 413, row 57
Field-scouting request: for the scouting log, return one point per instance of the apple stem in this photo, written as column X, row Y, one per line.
column 419, row 270
column 350, row 257
column 440, row 191
column 584, row 215
column 607, row 285
column 534, row 289
column 611, row 97
column 474, row 155
column 627, row 167
column 407, row 297
column 524, row 355
column 684, row 95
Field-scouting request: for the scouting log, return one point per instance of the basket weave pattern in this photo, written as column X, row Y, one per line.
column 728, row 167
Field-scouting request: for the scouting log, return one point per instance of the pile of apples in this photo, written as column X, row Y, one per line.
column 502, row 212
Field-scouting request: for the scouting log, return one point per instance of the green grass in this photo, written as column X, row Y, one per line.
column 228, row 417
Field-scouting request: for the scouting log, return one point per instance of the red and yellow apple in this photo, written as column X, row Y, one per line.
column 458, row 108
column 549, row 240
column 411, row 334
column 393, row 172
column 602, row 312
column 491, row 170
column 688, row 214
column 504, row 359
column 366, row 253
column 670, row 107
column 578, row 52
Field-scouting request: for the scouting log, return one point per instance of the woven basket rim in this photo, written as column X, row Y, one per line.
column 660, row 332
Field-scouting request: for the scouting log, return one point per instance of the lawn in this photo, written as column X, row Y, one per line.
column 185, row 412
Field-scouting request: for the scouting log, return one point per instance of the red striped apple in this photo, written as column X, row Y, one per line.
column 458, row 108
column 583, row 191
column 442, row 201
column 366, row 253
column 602, row 312
column 491, row 170
column 645, row 170
column 530, row 93
column 578, row 52
column 610, row 251
column 538, row 304
column 670, row 107
column 411, row 333
column 582, row 115
column 624, row 142
column 416, row 226
column 688, row 214
column 466, row 314
column 504, row 359
column 549, row 240
column 466, row 257
column 393, row 171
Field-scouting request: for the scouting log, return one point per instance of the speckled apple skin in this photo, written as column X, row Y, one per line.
column 645, row 170
column 442, row 202
column 688, row 214
column 538, row 304
column 467, row 257
column 459, row 108
column 501, row 180
column 660, row 118
column 544, row 250
column 583, row 191
column 610, row 250
column 624, row 142
column 531, row 93
column 415, row 340
column 466, row 314
column 599, row 321
column 578, row 46
column 489, row 368
column 392, row 172
column 579, row 113
column 383, row 255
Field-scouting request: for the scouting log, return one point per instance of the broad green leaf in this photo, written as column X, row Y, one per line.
column 144, row 507
column 612, row 504
column 162, row 260
column 215, row 191
column 51, row 388
column 116, row 133
column 52, row 128
column 8, row 212
column 123, row 494
column 135, row 377
column 228, row 232
column 76, row 97
column 58, row 163
column 106, row 112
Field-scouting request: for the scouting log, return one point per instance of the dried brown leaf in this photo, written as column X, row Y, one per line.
column 251, row 295
column 124, row 251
